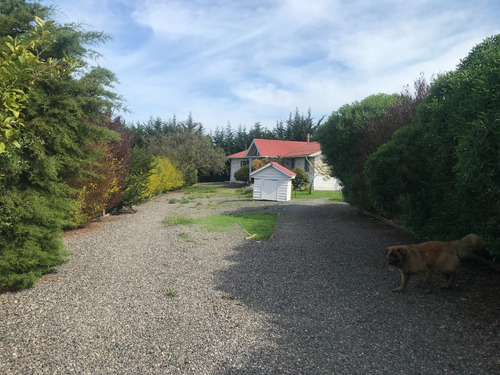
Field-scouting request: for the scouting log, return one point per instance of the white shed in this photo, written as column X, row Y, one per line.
column 272, row 182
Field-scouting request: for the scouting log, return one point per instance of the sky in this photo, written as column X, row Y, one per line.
column 239, row 62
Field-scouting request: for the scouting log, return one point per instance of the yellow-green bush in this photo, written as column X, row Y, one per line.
column 164, row 177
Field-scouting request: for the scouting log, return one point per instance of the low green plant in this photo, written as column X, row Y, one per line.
column 186, row 237
column 172, row 293
column 183, row 200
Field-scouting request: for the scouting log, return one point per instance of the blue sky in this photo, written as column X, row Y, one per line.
column 256, row 61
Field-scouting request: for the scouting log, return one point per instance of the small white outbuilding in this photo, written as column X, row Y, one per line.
column 272, row 182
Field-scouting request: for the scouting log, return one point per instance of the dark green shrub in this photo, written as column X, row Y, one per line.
column 440, row 176
column 242, row 174
column 136, row 184
column 192, row 178
column 301, row 179
column 341, row 138
column 30, row 233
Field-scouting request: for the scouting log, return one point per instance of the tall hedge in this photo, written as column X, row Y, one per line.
column 440, row 176
column 341, row 138
column 49, row 146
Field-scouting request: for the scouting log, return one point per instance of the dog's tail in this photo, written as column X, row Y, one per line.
column 468, row 245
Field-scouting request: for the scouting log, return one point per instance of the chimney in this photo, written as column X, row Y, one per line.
column 308, row 138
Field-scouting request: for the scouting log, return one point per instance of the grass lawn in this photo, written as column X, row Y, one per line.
column 259, row 226
column 206, row 190
column 210, row 190
column 333, row 196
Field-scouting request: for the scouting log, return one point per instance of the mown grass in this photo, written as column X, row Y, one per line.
column 258, row 225
column 210, row 190
column 333, row 196
column 178, row 220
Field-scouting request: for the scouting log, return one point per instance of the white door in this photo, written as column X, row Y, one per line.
column 270, row 190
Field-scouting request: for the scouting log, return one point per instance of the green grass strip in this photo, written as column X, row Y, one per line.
column 258, row 225
column 333, row 196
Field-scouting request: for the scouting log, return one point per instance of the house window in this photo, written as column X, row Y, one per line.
column 307, row 166
column 292, row 163
column 243, row 163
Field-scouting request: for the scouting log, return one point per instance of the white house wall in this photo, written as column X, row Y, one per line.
column 235, row 165
column 329, row 184
column 321, row 182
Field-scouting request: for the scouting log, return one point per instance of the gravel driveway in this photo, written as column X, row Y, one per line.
column 138, row 297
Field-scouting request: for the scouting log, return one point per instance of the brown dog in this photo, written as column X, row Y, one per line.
column 417, row 259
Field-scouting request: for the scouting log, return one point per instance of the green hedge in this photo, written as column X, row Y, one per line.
column 440, row 176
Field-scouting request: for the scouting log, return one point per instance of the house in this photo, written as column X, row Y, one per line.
column 272, row 182
column 291, row 154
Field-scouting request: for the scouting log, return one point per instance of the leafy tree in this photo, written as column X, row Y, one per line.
column 21, row 67
column 30, row 220
column 58, row 108
column 440, row 175
column 189, row 151
column 341, row 139
column 301, row 179
column 136, row 183
column 17, row 16
column 402, row 113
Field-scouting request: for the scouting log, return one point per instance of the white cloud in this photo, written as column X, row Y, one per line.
column 245, row 62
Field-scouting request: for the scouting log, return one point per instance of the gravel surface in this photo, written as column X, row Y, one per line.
column 138, row 297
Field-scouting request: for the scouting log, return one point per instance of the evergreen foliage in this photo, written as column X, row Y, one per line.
column 136, row 183
column 297, row 128
column 102, row 190
column 52, row 116
column 301, row 179
column 189, row 149
column 440, row 176
column 243, row 174
column 341, row 139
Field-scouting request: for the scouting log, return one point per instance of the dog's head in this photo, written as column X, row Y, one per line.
column 395, row 255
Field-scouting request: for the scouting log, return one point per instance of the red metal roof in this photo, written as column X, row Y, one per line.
column 273, row 148
column 308, row 148
column 286, row 170
column 277, row 166
column 240, row 154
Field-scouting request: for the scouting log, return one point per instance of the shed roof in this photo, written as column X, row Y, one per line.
column 276, row 166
